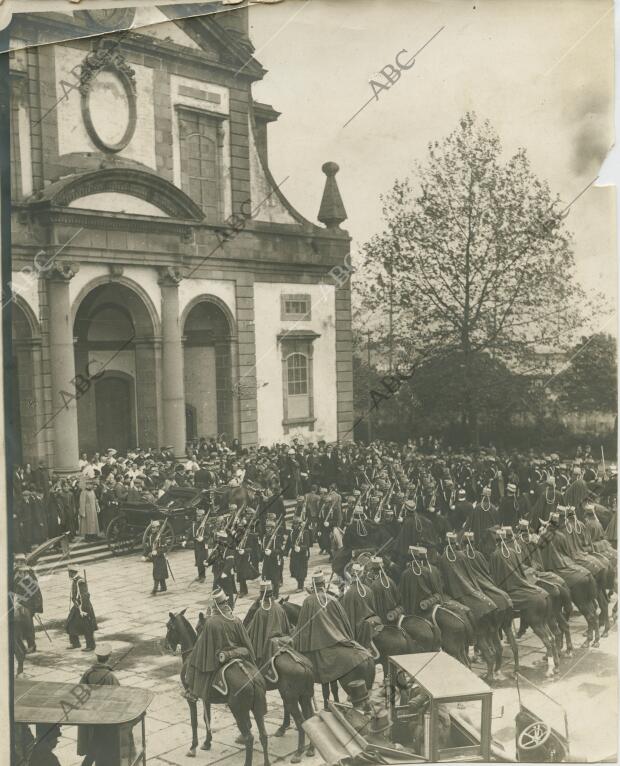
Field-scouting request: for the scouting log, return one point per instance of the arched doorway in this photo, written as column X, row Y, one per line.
column 116, row 351
column 114, row 406
column 208, row 369
column 25, row 405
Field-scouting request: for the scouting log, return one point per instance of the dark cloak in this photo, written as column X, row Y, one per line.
column 263, row 625
column 508, row 573
column 480, row 521
column 482, row 573
column 558, row 558
column 461, row 585
column 358, row 603
column 385, row 597
column 325, row 636
column 219, row 633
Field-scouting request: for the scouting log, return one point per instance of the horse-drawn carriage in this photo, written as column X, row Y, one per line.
column 175, row 512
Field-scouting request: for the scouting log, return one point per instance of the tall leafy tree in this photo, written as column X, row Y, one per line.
column 474, row 260
column 589, row 381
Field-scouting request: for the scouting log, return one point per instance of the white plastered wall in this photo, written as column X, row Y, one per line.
column 268, row 325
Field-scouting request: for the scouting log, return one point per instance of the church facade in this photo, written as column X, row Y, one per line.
column 163, row 287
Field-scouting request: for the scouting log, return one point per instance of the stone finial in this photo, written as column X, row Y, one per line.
column 331, row 212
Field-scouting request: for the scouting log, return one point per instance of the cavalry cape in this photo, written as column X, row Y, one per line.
column 358, row 604
column 417, row 588
column 385, row 598
column 462, row 586
column 480, row 520
column 480, row 569
column 263, row 624
column 218, row 633
column 508, row 573
column 324, row 634
column 558, row 557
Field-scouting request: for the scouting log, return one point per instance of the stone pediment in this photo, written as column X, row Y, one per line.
column 116, row 187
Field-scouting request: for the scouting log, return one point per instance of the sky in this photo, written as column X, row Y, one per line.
column 541, row 71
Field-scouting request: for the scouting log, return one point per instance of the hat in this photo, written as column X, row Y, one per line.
column 71, row 567
column 103, row 651
column 111, row 451
column 219, row 596
column 510, row 487
column 19, row 558
column 155, row 524
column 524, row 523
column 221, row 535
column 318, row 578
column 417, row 550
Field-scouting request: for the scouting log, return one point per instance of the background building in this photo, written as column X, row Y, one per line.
column 163, row 287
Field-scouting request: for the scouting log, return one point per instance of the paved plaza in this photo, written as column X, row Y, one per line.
column 133, row 623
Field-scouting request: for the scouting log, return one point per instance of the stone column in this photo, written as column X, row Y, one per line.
column 65, row 388
column 173, row 389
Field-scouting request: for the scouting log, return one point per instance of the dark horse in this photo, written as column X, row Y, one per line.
column 295, row 684
column 365, row 671
column 242, row 698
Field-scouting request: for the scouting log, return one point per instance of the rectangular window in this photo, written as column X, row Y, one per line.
column 297, row 378
column 200, row 152
column 296, row 307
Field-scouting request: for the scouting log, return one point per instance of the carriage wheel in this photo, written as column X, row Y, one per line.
column 119, row 536
column 533, row 736
column 167, row 538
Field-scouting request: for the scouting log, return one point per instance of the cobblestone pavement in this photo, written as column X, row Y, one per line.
column 133, row 623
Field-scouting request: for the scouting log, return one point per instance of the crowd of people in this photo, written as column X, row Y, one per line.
column 46, row 505
column 460, row 540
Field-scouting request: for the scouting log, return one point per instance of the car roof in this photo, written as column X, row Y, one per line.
column 71, row 704
column 441, row 675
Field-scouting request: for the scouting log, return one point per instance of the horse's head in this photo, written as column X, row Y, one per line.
column 179, row 632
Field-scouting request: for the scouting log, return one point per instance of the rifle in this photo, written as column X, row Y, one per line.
column 200, row 532
column 232, row 521
column 273, row 536
column 329, row 514
column 384, row 500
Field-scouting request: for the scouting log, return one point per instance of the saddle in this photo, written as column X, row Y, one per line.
column 227, row 658
column 283, row 645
